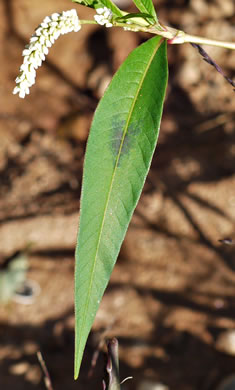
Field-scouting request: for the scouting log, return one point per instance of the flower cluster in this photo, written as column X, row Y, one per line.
column 104, row 17
column 34, row 53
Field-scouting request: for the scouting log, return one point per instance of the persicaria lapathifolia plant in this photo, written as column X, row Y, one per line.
column 121, row 142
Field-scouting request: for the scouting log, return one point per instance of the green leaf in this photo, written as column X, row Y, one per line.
column 101, row 3
column 147, row 6
column 12, row 277
column 109, row 4
column 134, row 15
column 120, row 147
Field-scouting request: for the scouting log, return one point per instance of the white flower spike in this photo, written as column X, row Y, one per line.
column 34, row 53
column 104, row 17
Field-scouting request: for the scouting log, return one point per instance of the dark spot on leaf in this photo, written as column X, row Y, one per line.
column 122, row 144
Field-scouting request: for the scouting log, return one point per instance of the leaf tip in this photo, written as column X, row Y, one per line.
column 76, row 372
column 77, row 365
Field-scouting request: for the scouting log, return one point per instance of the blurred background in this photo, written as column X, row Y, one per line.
column 170, row 301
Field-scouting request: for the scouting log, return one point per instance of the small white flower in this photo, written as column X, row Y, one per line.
column 43, row 38
column 104, row 17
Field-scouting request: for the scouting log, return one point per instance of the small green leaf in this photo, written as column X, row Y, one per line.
column 147, row 6
column 134, row 15
column 120, row 147
column 87, row 3
column 12, row 277
column 99, row 4
column 109, row 4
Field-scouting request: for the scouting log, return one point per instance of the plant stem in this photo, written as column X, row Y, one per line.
column 113, row 365
column 211, row 42
column 173, row 35
column 87, row 21
column 47, row 378
column 182, row 37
